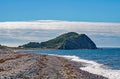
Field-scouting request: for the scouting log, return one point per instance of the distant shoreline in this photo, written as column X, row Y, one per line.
column 50, row 49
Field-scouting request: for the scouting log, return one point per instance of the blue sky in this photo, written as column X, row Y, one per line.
column 99, row 19
column 75, row 10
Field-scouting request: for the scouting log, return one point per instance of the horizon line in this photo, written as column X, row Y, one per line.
column 59, row 20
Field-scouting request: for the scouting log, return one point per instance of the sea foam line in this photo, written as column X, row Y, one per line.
column 93, row 67
column 96, row 68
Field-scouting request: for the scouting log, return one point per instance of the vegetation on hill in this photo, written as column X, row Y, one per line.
column 58, row 41
column 69, row 40
column 31, row 45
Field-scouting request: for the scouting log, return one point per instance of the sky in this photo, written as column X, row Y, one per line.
column 22, row 21
column 73, row 10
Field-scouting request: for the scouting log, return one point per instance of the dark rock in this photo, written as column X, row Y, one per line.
column 82, row 41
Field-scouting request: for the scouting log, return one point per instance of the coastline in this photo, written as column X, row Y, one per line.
column 31, row 66
column 96, row 68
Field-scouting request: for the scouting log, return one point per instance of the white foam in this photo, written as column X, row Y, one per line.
column 96, row 68
column 93, row 67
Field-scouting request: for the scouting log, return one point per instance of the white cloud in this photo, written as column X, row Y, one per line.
column 90, row 27
column 42, row 30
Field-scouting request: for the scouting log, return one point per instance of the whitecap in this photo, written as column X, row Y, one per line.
column 96, row 68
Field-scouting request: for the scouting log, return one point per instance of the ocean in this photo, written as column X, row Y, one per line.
column 104, row 61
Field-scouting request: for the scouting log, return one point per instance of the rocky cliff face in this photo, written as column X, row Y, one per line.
column 81, row 41
column 69, row 40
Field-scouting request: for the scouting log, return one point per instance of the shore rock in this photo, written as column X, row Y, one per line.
column 16, row 65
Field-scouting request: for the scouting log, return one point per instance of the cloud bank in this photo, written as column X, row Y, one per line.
column 91, row 27
column 42, row 30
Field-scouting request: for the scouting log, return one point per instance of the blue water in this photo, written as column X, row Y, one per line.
column 107, row 56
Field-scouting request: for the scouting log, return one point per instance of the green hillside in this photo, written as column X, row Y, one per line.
column 69, row 40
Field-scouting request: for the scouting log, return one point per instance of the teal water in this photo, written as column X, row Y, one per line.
column 107, row 56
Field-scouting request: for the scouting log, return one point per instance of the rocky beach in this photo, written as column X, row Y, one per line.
column 19, row 65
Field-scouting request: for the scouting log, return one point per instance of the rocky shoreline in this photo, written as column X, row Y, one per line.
column 17, row 65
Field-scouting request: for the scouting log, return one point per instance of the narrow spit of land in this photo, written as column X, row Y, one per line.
column 17, row 65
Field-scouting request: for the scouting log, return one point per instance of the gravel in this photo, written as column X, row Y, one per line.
column 17, row 65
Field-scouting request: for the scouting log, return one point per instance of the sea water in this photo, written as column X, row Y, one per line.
column 104, row 61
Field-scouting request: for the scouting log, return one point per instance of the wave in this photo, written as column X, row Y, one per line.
column 96, row 68
column 92, row 66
